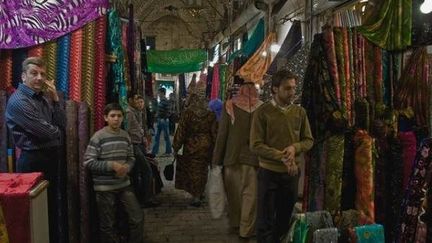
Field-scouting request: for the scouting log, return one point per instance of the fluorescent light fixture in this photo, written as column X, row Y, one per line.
column 264, row 54
column 426, row 7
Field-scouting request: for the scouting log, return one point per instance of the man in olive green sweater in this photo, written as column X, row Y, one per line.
column 280, row 133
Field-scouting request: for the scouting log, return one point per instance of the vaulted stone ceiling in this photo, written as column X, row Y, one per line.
column 178, row 23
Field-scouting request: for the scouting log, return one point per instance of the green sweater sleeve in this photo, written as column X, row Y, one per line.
column 307, row 140
column 257, row 139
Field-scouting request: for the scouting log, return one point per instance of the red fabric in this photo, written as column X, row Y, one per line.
column 15, row 200
column 215, row 83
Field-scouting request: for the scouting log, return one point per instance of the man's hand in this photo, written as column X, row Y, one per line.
column 289, row 153
column 292, row 168
column 120, row 169
column 51, row 90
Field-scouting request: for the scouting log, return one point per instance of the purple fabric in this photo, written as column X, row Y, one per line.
column 26, row 23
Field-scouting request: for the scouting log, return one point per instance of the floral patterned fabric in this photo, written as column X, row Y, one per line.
column 26, row 23
column 415, row 193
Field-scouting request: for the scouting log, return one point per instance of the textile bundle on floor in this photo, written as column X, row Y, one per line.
column 3, row 133
column 72, row 170
column 85, row 220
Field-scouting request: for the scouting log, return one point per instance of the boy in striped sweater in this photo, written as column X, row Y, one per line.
column 110, row 157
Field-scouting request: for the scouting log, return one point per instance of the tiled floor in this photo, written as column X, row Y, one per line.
column 176, row 221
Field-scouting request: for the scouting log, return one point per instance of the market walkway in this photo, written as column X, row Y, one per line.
column 176, row 221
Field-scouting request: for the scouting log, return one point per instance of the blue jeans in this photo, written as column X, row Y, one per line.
column 162, row 126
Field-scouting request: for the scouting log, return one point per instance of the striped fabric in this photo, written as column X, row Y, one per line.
column 105, row 147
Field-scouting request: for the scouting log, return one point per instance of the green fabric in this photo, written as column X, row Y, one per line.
column 389, row 26
column 334, row 165
column 115, row 48
column 255, row 40
column 176, row 61
column 222, row 78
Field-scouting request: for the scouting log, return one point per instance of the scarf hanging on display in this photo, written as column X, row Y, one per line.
column 85, row 219
column 409, row 149
column 50, row 57
column 209, row 81
column 389, row 25
column 18, row 57
column 62, row 76
column 88, row 69
column 100, row 73
column 348, row 176
column 254, row 42
column 72, row 170
column 415, row 192
column 215, row 82
column 35, row 51
column 115, row 48
column 333, row 177
column 75, row 65
column 412, row 90
column 364, row 171
column 290, row 46
column 3, row 133
column 182, row 85
column 6, row 67
column 223, row 78
column 255, row 68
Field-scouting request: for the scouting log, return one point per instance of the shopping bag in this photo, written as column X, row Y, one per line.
column 327, row 235
column 169, row 171
column 216, row 192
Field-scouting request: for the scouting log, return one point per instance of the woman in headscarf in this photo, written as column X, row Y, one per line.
column 196, row 133
column 240, row 164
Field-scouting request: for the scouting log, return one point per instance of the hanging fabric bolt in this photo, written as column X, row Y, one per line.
column 63, row 53
column 75, row 65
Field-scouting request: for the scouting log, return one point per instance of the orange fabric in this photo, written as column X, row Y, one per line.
column 35, row 51
column 255, row 68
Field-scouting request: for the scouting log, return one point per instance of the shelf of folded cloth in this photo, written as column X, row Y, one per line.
column 23, row 197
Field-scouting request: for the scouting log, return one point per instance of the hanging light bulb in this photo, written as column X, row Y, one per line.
column 426, row 7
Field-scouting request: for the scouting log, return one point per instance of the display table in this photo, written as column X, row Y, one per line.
column 23, row 197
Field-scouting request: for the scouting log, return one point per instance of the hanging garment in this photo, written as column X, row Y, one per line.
column 415, row 192
column 364, row 171
column 389, row 25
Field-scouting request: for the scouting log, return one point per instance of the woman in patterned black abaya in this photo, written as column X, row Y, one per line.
column 196, row 132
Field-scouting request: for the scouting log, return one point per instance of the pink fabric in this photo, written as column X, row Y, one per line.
column 15, row 200
column 409, row 145
column 215, row 83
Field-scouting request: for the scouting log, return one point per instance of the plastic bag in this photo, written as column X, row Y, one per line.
column 216, row 192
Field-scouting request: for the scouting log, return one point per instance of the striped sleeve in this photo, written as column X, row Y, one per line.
column 91, row 158
column 130, row 156
column 28, row 118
